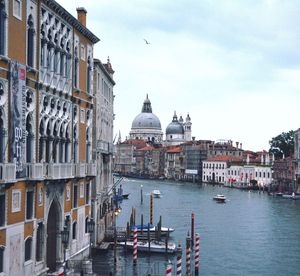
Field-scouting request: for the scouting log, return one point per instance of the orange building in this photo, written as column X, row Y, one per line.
column 46, row 113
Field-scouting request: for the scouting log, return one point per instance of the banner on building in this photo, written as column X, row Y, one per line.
column 18, row 117
column 187, row 171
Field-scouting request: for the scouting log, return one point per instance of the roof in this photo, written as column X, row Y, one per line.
column 71, row 20
column 225, row 158
column 134, row 142
column 147, row 148
column 174, row 150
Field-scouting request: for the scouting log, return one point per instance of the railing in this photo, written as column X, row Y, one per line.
column 35, row 171
column 8, row 173
column 60, row 171
column 91, row 169
column 80, row 170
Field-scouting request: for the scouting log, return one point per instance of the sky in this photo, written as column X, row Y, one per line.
column 233, row 65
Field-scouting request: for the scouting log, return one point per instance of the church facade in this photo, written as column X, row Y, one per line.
column 146, row 126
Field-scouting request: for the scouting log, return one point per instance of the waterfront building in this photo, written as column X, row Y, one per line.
column 297, row 157
column 146, row 125
column 46, row 106
column 284, row 174
column 125, row 159
column 103, row 118
column 174, row 167
column 215, row 168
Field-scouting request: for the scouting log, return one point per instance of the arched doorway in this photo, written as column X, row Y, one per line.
column 52, row 229
column 213, row 177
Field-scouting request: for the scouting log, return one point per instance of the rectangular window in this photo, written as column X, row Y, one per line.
column 1, row 258
column 2, row 210
column 17, row 9
column 87, row 193
column 29, row 204
column 75, row 195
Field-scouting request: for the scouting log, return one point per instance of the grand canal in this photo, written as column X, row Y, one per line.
column 251, row 234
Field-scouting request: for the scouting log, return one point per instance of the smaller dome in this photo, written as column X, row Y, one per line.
column 174, row 127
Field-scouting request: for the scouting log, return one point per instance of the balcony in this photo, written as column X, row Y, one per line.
column 91, row 169
column 35, row 171
column 80, row 170
column 60, row 171
column 8, row 173
column 105, row 147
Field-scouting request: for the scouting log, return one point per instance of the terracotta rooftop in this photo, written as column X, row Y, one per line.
column 134, row 142
column 174, row 150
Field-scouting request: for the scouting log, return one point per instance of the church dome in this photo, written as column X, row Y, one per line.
column 146, row 119
column 174, row 127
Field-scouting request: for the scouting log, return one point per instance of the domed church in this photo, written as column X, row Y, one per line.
column 178, row 131
column 146, row 125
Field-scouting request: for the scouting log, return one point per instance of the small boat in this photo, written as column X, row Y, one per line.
column 156, row 193
column 292, row 196
column 125, row 196
column 152, row 229
column 219, row 198
column 155, row 246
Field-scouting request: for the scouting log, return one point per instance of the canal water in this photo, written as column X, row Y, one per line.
column 251, row 234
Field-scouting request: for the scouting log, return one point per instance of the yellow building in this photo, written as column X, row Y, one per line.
column 46, row 112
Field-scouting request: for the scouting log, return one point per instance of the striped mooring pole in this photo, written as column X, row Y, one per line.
column 135, row 246
column 169, row 269
column 197, row 254
column 188, row 255
column 178, row 263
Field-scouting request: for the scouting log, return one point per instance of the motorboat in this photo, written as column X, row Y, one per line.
column 152, row 229
column 292, row 196
column 219, row 198
column 156, row 193
column 155, row 246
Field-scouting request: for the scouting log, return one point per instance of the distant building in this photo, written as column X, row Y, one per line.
column 146, row 125
column 178, row 131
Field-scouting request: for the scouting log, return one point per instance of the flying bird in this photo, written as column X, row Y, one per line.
column 146, row 41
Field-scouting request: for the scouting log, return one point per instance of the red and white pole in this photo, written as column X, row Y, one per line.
column 192, row 229
column 188, row 255
column 179, row 262
column 169, row 269
column 135, row 246
column 197, row 254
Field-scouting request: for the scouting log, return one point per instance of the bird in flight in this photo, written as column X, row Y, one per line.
column 146, row 41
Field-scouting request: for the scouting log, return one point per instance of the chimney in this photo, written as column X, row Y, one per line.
column 237, row 144
column 81, row 15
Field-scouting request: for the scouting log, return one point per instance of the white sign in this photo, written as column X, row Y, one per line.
column 191, row 171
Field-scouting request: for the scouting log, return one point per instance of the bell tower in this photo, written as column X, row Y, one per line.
column 187, row 128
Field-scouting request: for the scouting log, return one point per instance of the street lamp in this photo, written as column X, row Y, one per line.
column 91, row 229
column 65, row 240
column 117, row 211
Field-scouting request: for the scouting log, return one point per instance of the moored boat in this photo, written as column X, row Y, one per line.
column 152, row 228
column 155, row 246
column 219, row 198
column 156, row 193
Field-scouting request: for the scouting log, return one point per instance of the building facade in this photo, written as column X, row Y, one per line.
column 103, row 146
column 46, row 106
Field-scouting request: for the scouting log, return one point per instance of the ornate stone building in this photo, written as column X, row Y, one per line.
column 46, row 120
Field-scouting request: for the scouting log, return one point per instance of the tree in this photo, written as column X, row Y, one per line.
column 283, row 144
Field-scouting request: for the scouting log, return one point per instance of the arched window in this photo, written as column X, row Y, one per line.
column 28, row 247
column 29, row 139
column 39, row 242
column 30, row 41
column 3, row 17
column 74, row 230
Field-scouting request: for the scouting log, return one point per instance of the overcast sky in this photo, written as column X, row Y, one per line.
column 234, row 66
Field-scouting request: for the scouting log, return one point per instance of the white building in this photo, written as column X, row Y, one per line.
column 103, row 137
